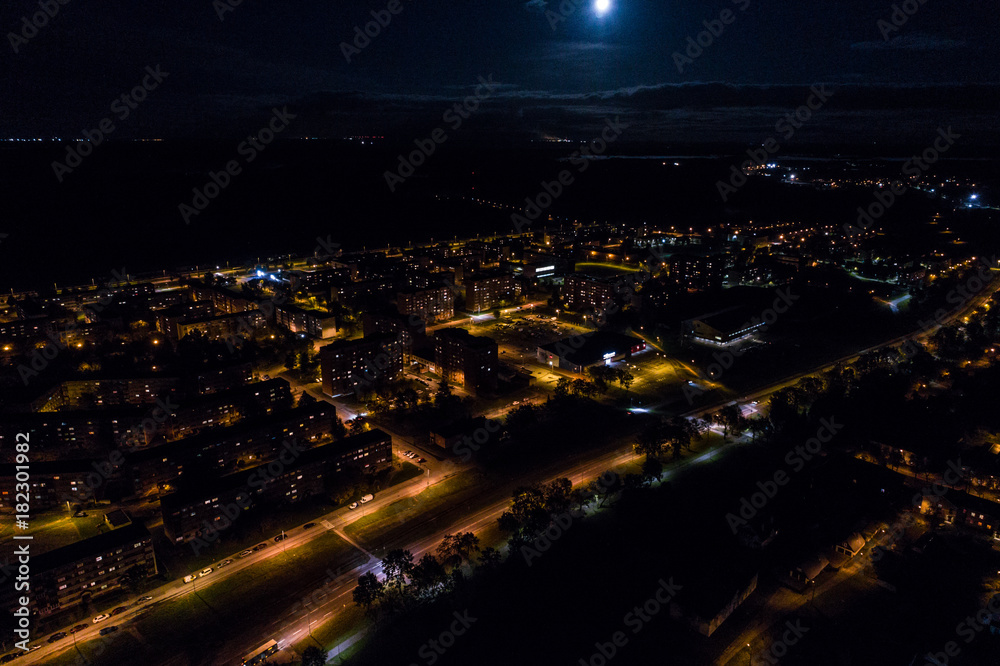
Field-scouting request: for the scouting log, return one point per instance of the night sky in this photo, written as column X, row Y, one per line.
column 938, row 67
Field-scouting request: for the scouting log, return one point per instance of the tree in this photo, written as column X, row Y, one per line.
column 397, row 565
column 607, row 490
column 458, row 548
column 730, row 418
column 313, row 656
column 490, row 558
column 652, row 469
column 758, row 425
column 625, row 378
column 444, row 397
column 650, row 441
column 133, row 578
column 427, row 575
column 306, row 399
column 521, row 418
column 563, row 387
column 369, row 592
column 356, row 426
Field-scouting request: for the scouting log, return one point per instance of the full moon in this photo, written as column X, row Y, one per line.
column 602, row 6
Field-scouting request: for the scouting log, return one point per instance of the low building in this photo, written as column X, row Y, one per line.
column 722, row 328
column 708, row 600
column 225, row 450
column 222, row 327
column 314, row 323
column 191, row 512
column 63, row 483
column 110, row 392
column 578, row 353
column 88, row 569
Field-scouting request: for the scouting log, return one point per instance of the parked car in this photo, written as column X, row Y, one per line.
column 101, row 618
column 280, row 537
column 189, row 578
column 245, row 553
column 9, row 657
column 224, row 563
column 422, row 460
column 205, row 572
column 79, row 627
column 308, row 526
column 143, row 600
column 58, row 636
column 108, row 630
column 367, row 498
column 354, row 505
column 119, row 610
column 260, row 546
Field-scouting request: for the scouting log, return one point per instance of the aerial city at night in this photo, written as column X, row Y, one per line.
column 542, row 333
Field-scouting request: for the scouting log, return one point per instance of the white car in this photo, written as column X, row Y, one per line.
column 189, row 578
column 354, row 505
column 205, row 572
column 101, row 618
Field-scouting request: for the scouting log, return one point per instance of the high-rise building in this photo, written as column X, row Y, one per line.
column 348, row 366
column 432, row 304
column 467, row 360
column 583, row 293
column 486, row 291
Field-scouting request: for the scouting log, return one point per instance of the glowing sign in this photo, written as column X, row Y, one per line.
column 609, row 355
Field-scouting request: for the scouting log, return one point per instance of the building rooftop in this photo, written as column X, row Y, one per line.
column 129, row 535
column 593, row 348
